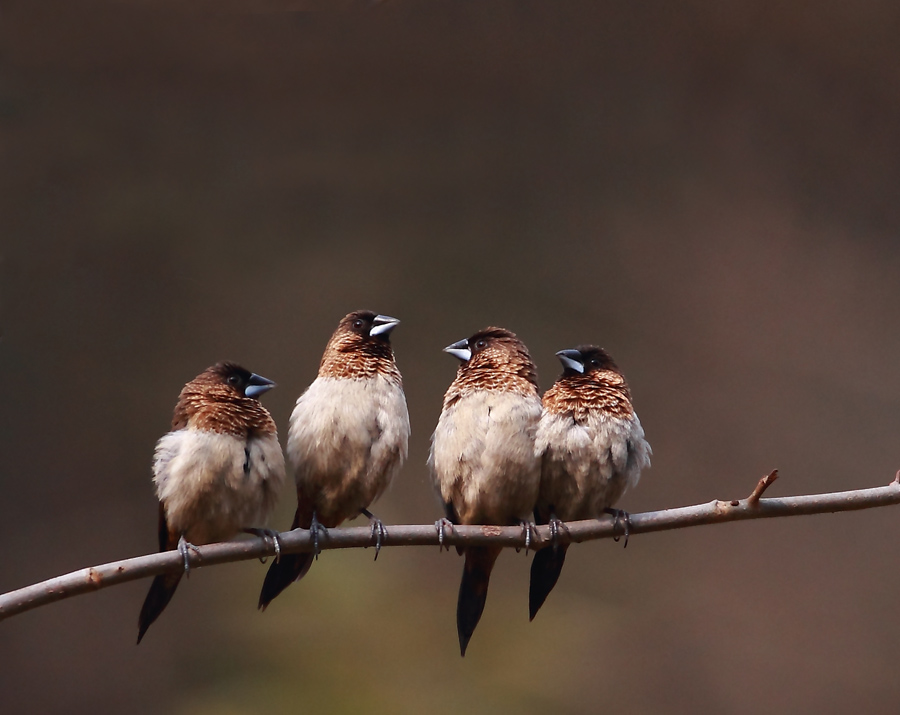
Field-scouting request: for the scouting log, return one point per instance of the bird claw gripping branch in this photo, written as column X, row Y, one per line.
column 626, row 524
column 184, row 547
column 528, row 528
column 379, row 532
column 442, row 524
column 314, row 528
column 555, row 527
column 271, row 535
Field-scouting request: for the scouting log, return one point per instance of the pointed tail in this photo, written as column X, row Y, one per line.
column 545, row 570
column 473, row 591
column 281, row 574
column 161, row 591
column 290, row 568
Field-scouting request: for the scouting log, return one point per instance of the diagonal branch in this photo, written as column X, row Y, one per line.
column 714, row 512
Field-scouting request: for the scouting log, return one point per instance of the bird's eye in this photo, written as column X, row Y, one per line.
column 233, row 379
column 357, row 323
column 481, row 344
column 595, row 362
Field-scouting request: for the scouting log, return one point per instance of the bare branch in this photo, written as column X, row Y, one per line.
column 714, row 512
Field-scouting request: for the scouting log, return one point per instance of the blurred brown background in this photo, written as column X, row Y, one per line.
column 711, row 192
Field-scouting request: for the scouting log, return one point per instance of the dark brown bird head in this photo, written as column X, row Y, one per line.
column 492, row 359
column 586, row 359
column 360, row 347
column 591, row 381
column 224, row 398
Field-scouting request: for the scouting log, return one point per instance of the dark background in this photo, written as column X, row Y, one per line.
column 711, row 191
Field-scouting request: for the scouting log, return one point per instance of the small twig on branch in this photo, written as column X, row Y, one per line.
column 714, row 512
column 761, row 486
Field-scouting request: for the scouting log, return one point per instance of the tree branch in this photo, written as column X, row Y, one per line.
column 761, row 487
column 714, row 512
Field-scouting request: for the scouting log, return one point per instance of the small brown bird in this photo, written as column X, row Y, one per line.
column 217, row 473
column 348, row 437
column 592, row 448
column 482, row 453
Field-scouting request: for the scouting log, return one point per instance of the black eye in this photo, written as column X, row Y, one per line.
column 234, row 380
column 357, row 323
column 595, row 362
column 480, row 344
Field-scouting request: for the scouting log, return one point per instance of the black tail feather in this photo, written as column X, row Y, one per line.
column 161, row 591
column 473, row 591
column 545, row 570
column 281, row 574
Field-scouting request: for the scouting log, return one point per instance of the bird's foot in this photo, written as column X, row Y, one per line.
column 440, row 525
column 270, row 534
column 555, row 527
column 626, row 523
column 379, row 532
column 528, row 529
column 184, row 547
column 314, row 528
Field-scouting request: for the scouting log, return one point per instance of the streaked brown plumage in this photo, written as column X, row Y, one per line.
column 592, row 448
column 482, row 454
column 348, row 435
column 217, row 473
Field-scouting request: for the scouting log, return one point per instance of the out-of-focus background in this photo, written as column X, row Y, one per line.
column 711, row 191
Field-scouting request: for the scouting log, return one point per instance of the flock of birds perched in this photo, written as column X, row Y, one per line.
column 500, row 454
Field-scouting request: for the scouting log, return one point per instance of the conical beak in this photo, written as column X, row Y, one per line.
column 572, row 360
column 258, row 385
column 383, row 325
column 460, row 350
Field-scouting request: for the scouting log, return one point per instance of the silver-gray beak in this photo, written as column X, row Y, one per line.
column 383, row 325
column 460, row 349
column 257, row 385
column 572, row 360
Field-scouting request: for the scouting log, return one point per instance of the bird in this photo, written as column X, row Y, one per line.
column 218, row 472
column 348, row 438
column 482, row 457
column 592, row 448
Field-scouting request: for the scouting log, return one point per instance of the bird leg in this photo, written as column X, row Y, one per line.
column 183, row 546
column 267, row 534
column 440, row 525
column 315, row 527
column 626, row 520
column 379, row 532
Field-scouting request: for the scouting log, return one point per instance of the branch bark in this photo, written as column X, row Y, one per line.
column 714, row 512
